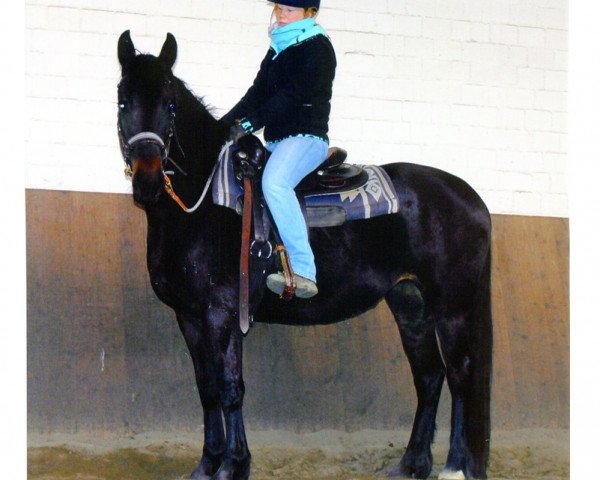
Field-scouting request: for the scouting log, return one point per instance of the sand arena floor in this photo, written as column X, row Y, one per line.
column 362, row 455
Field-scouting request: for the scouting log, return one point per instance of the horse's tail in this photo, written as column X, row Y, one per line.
column 478, row 422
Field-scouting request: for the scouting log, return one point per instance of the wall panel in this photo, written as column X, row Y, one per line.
column 105, row 354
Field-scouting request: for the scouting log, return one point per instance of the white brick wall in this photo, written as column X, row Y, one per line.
column 475, row 87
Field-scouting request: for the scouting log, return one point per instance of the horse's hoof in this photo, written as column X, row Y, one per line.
column 233, row 471
column 413, row 465
column 199, row 475
column 446, row 474
column 206, row 468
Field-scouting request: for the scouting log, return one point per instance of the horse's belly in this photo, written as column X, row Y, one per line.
column 315, row 311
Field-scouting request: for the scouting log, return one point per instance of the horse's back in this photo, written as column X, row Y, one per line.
column 434, row 187
column 442, row 229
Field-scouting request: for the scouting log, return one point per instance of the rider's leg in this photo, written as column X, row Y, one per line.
column 290, row 161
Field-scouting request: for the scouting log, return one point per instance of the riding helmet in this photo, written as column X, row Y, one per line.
column 301, row 3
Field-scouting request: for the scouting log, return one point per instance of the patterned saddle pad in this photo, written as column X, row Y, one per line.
column 322, row 208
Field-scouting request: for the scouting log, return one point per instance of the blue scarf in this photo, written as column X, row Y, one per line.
column 283, row 37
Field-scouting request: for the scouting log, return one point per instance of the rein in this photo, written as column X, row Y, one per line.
column 169, row 187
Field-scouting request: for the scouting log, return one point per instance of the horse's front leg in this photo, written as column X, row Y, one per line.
column 208, row 388
column 226, row 342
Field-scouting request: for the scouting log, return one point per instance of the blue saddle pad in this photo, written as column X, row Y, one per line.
column 376, row 197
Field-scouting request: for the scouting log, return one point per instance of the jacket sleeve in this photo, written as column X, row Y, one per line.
column 254, row 97
column 305, row 81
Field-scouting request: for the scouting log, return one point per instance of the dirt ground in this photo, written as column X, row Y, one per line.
column 363, row 455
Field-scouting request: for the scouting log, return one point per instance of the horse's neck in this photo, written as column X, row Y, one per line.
column 198, row 139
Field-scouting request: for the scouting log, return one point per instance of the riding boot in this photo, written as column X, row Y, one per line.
column 305, row 288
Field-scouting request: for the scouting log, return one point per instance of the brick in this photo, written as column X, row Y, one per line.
column 461, row 30
column 371, row 43
column 538, row 120
column 421, row 7
column 417, row 112
column 113, row 22
column 555, row 80
column 450, row 9
column 480, row 32
column 518, row 56
column 35, row 16
column 419, row 47
column 63, row 19
column 531, row 78
column 473, row 10
column 555, row 101
column 500, row 201
column 437, row 91
column 532, row 37
column 557, row 39
column 471, row 94
column 495, row 12
column 408, row 25
column 557, row 182
column 504, row 34
column 561, row 60
column 495, row 73
column 389, row 89
column 555, row 204
column 437, row 28
column 486, row 53
column 378, row 130
column 527, row 202
column 555, row 17
column 446, row 70
column 559, row 122
column 525, row 14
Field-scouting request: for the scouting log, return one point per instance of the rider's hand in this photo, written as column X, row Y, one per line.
column 241, row 128
column 236, row 132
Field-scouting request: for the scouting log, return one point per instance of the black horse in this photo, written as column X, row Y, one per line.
column 430, row 262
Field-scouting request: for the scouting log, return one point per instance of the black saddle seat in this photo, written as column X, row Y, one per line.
column 333, row 174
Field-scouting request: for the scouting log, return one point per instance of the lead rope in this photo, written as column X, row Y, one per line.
column 169, row 186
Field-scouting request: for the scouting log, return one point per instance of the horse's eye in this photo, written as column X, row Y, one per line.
column 121, row 106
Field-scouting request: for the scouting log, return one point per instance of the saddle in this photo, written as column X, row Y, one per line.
column 332, row 194
column 331, row 176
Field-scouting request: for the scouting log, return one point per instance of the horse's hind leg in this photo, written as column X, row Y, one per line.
column 420, row 345
column 466, row 341
column 468, row 380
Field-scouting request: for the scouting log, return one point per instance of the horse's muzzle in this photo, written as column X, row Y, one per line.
column 147, row 179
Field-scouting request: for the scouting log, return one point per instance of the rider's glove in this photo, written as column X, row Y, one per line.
column 241, row 128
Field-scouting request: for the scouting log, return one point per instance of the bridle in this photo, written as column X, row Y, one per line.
column 152, row 138
column 127, row 146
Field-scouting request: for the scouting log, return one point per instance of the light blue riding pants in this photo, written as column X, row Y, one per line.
column 291, row 160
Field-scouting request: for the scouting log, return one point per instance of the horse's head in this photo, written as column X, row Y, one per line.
column 146, row 118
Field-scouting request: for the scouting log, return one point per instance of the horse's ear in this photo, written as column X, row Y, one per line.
column 168, row 53
column 126, row 50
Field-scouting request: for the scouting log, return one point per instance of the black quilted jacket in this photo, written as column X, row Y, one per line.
column 291, row 94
